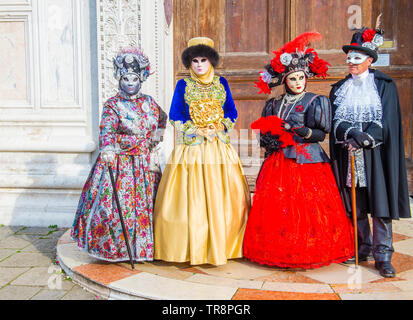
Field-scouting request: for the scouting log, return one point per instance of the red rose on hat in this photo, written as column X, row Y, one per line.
column 368, row 35
column 276, row 64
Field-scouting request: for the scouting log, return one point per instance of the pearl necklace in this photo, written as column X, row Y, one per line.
column 290, row 99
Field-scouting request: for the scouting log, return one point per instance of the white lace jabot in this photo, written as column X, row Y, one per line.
column 358, row 100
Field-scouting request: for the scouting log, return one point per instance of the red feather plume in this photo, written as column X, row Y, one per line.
column 301, row 41
column 273, row 125
column 319, row 66
column 263, row 86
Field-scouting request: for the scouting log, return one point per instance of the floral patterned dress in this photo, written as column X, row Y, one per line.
column 130, row 128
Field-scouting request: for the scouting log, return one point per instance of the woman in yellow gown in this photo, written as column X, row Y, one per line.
column 203, row 199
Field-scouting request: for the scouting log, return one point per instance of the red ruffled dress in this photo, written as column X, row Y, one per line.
column 297, row 219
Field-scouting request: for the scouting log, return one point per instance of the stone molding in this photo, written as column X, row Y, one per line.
column 119, row 25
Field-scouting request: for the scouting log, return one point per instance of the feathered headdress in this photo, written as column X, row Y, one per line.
column 292, row 57
column 131, row 60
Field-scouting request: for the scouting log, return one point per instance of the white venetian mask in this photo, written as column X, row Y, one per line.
column 356, row 57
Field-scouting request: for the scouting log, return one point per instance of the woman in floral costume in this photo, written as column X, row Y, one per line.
column 203, row 199
column 131, row 126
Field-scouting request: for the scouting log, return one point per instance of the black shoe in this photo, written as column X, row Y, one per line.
column 362, row 257
column 385, row 268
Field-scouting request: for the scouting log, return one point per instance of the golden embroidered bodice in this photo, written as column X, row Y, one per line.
column 205, row 102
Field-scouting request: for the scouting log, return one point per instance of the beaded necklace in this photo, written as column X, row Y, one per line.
column 288, row 100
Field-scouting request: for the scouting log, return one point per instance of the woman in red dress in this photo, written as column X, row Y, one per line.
column 297, row 219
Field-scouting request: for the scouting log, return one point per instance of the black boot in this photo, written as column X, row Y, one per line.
column 383, row 246
column 385, row 268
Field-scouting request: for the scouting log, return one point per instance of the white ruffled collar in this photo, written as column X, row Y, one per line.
column 358, row 99
column 361, row 77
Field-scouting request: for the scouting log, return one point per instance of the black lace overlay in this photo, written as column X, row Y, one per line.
column 271, row 143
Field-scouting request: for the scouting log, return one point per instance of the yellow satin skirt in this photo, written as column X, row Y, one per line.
column 202, row 205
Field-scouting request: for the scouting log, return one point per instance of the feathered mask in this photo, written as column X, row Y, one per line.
column 292, row 57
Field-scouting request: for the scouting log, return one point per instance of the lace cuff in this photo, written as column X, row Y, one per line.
column 188, row 128
column 373, row 142
column 347, row 132
column 341, row 130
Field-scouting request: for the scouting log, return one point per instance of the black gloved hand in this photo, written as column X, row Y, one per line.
column 353, row 143
column 302, row 131
column 362, row 138
column 292, row 127
column 295, row 124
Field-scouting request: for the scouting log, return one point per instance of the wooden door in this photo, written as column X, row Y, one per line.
column 247, row 31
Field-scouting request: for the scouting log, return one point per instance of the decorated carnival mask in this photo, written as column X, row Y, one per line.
column 130, row 84
column 296, row 82
column 200, row 65
column 131, row 68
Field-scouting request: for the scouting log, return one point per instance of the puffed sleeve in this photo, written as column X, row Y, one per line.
column 230, row 112
column 179, row 114
column 318, row 119
column 108, row 127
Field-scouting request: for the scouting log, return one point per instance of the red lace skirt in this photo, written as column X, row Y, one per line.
column 297, row 217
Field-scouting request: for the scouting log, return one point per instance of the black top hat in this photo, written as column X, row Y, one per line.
column 367, row 41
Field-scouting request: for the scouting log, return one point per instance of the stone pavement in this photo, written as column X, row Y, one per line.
column 29, row 271
column 27, row 266
column 240, row 279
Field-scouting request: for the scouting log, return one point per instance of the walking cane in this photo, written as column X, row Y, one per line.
column 112, row 179
column 353, row 205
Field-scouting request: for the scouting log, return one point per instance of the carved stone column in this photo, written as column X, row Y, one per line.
column 119, row 25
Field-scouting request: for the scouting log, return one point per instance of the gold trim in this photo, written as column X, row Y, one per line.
column 201, row 40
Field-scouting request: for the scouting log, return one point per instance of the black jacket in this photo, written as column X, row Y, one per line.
column 385, row 164
column 316, row 113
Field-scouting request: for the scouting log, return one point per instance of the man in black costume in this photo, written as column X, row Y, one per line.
column 367, row 121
